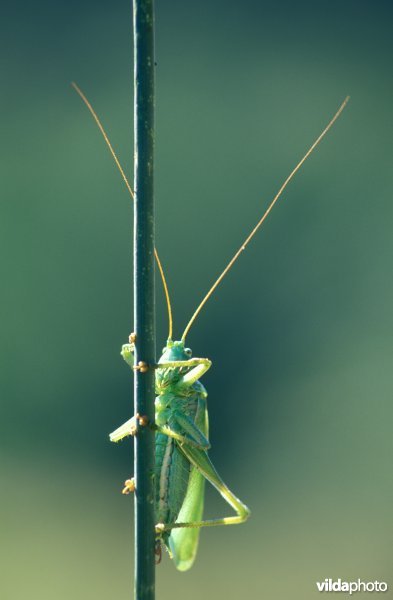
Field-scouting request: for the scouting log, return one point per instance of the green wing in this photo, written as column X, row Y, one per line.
column 183, row 541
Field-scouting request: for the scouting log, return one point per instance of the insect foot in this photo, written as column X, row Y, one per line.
column 142, row 366
column 143, row 420
column 129, row 486
column 160, row 528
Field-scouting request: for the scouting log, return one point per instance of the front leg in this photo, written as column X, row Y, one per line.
column 200, row 366
column 127, row 352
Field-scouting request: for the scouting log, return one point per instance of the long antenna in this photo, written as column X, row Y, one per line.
column 253, row 232
column 131, row 192
column 168, row 302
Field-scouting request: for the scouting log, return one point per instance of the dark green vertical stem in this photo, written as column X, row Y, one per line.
column 144, row 294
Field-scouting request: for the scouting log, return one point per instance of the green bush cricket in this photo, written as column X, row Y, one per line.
column 182, row 462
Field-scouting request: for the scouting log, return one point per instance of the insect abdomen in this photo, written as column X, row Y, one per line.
column 172, row 472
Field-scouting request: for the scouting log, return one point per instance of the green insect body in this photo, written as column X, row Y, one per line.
column 182, row 464
column 181, row 407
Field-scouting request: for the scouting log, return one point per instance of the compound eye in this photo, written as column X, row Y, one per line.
column 188, row 351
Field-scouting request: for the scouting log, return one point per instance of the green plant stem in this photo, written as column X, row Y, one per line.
column 144, row 301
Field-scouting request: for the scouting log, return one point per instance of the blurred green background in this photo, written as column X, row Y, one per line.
column 299, row 333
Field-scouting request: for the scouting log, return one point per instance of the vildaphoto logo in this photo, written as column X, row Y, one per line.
column 351, row 587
